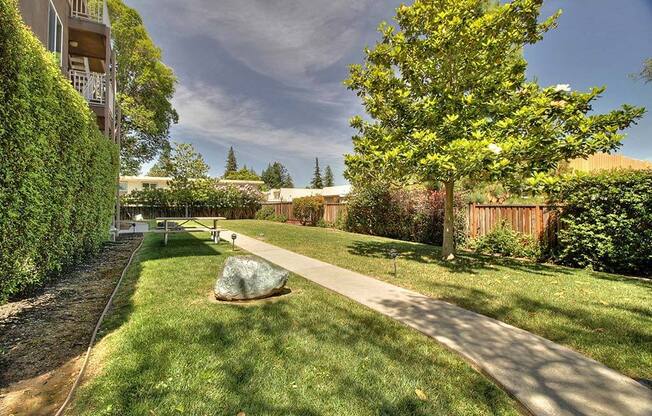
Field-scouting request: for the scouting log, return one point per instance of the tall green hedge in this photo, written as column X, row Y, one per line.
column 57, row 171
column 607, row 222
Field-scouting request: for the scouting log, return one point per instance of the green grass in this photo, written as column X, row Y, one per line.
column 167, row 349
column 607, row 317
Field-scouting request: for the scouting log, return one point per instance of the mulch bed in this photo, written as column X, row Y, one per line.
column 40, row 336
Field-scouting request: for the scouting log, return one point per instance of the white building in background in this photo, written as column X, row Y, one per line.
column 331, row 194
column 138, row 183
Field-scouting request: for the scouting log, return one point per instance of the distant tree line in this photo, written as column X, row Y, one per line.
column 182, row 162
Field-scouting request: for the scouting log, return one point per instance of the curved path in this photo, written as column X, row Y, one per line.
column 546, row 378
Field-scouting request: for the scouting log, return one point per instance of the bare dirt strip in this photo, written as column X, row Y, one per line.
column 43, row 337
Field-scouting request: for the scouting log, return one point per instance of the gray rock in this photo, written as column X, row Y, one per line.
column 248, row 277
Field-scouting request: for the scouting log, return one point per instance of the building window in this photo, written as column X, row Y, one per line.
column 55, row 33
column 123, row 187
column 149, row 186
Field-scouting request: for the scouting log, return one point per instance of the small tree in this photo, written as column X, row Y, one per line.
column 328, row 177
column 186, row 164
column 316, row 182
column 231, row 163
column 449, row 100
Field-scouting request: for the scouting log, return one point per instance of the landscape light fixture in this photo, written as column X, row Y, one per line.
column 393, row 254
column 233, row 237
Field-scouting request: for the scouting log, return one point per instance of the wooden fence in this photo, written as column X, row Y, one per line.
column 331, row 210
column 539, row 221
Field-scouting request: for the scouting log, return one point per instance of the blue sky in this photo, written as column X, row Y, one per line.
column 264, row 76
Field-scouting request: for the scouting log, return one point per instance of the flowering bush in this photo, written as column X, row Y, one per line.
column 229, row 200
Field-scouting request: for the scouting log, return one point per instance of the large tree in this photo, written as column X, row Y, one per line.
column 276, row 176
column 145, row 89
column 231, row 163
column 448, row 99
column 316, row 182
column 328, row 176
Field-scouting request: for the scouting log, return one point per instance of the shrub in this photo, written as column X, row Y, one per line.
column 414, row 214
column 504, row 241
column 322, row 223
column 309, row 209
column 279, row 218
column 265, row 213
column 58, row 172
column 606, row 222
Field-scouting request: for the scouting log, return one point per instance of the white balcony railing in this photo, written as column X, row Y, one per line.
column 92, row 85
column 93, row 10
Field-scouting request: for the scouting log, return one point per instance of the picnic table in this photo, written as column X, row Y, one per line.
column 173, row 225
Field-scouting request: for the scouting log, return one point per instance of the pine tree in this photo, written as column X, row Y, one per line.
column 276, row 176
column 231, row 163
column 316, row 182
column 328, row 177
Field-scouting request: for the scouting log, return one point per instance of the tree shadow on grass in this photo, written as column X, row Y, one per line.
column 179, row 246
column 605, row 336
column 464, row 262
column 284, row 358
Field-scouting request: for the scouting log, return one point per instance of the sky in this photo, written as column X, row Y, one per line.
column 265, row 76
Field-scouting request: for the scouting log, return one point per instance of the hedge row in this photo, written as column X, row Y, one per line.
column 57, row 171
column 200, row 193
column 607, row 222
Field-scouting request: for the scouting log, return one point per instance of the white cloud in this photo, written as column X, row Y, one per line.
column 285, row 40
column 210, row 114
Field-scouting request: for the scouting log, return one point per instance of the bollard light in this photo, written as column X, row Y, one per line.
column 393, row 254
column 233, row 237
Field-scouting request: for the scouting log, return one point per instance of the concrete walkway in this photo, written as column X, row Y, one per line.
column 546, row 378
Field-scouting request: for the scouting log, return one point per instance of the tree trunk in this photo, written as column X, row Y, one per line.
column 448, row 247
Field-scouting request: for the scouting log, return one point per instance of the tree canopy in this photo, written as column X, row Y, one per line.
column 145, row 89
column 276, row 176
column 244, row 174
column 448, row 99
column 328, row 177
column 316, row 182
column 186, row 163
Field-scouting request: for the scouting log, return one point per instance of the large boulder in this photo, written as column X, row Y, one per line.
column 248, row 277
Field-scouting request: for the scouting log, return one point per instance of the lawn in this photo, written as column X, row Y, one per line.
column 168, row 349
column 607, row 317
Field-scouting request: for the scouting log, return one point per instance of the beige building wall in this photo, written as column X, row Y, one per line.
column 603, row 161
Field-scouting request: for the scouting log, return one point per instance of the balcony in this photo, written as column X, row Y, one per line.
column 92, row 85
column 91, row 10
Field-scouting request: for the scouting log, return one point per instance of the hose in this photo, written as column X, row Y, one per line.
column 97, row 328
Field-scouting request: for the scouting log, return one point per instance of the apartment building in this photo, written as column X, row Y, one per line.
column 79, row 33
